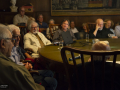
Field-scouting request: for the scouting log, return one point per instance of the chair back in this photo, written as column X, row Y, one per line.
column 53, row 25
column 23, row 31
column 91, row 25
column 82, row 53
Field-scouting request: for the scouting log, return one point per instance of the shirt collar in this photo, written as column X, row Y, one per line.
column 21, row 16
column 14, row 49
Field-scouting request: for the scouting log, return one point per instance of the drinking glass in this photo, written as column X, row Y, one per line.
column 81, row 35
column 87, row 37
column 60, row 45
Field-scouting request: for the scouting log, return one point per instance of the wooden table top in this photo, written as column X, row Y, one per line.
column 52, row 53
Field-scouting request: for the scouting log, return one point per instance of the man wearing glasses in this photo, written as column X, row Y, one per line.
column 21, row 17
column 34, row 39
column 18, row 53
column 13, row 76
column 99, row 31
column 45, row 77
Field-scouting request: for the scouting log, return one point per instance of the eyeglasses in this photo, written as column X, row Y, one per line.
column 12, row 39
column 16, row 36
column 34, row 27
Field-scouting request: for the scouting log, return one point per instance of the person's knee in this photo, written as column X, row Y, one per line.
column 46, row 73
column 50, row 73
column 52, row 82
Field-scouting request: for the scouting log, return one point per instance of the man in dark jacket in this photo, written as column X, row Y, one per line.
column 99, row 31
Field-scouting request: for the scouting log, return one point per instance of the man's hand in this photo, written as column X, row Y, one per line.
column 114, row 37
column 28, row 66
column 74, row 39
column 89, row 60
column 97, row 27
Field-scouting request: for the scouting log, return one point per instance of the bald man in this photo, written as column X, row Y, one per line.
column 99, row 31
column 21, row 17
column 98, row 71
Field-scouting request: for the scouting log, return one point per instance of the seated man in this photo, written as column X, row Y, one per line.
column 35, row 39
column 74, row 29
column 17, row 77
column 99, row 31
column 98, row 70
column 21, row 17
column 108, row 24
column 42, row 25
column 17, row 49
column 58, row 36
column 49, row 82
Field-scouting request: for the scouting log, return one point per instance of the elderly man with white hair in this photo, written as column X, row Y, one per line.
column 98, row 71
column 34, row 39
column 18, row 53
column 45, row 76
column 13, row 76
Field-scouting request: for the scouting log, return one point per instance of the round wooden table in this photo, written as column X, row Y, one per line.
column 52, row 55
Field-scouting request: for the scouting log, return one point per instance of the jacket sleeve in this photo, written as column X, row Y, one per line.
column 91, row 35
column 16, row 76
column 56, row 37
column 27, row 44
column 24, row 80
column 117, row 31
column 73, row 37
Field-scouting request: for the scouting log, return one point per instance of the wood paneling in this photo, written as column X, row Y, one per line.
column 44, row 7
column 7, row 17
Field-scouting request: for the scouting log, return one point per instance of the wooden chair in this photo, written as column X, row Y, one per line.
column 91, row 25
column 50, row 26
column 23, row 31
column 75, row 69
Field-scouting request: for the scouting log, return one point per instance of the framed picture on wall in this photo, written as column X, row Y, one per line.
column 84, row 7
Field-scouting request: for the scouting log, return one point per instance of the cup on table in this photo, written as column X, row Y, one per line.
column 60, row 45
column 87, row 37
column 81, row 35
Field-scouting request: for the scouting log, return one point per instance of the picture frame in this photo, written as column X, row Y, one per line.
column 84, row 7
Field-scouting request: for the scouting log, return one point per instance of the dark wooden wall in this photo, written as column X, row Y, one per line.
column 44, row 7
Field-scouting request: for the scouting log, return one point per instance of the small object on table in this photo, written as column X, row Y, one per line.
column 77, row 57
